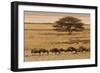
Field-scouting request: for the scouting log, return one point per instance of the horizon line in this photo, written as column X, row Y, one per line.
column 39, row 23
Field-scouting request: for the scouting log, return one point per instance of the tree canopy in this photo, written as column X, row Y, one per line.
column 69, row 24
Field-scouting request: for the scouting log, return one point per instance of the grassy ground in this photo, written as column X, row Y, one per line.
column 52, row 56
column 43, row 36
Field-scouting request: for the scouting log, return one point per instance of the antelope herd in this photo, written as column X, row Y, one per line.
column 57, row 51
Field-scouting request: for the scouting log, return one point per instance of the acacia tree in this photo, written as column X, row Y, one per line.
column 69, row 24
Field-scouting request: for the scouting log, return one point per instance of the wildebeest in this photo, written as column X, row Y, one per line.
column 44, row 51
column 71, row 49
column 39, row 51
column 55, row 50
column 88, row 49
column 35, row 51
column 82, row 49
column 61, row 49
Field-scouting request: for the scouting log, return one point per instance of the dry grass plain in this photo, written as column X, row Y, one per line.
column 43, row 36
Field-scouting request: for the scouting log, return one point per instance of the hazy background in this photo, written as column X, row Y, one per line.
column 51, row 17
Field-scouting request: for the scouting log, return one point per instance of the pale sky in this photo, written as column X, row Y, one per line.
column 51, row 17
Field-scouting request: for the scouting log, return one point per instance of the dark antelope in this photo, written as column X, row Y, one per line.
column 55, row 50
column 40, row 51
column 71, row 49
column 83, row 49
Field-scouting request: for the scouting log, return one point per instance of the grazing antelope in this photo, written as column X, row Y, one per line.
column 61, row 49
column 35, row 51
column 71, row 49
column 82, row 49
column 44, row 51
column 39, row 51
column 55, row 50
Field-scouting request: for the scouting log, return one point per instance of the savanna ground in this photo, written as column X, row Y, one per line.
column 41, row 35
